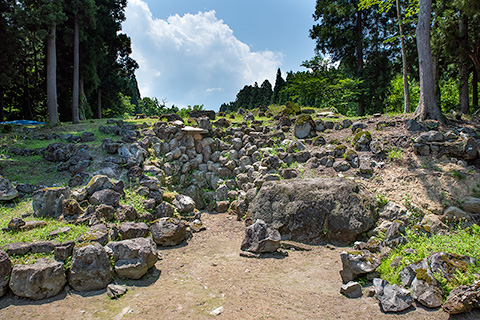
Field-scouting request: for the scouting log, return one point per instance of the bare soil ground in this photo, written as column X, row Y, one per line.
column 207, row 273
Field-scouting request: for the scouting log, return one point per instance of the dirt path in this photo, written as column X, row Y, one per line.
column 208, row 273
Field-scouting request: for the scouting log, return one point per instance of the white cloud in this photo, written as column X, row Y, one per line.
column 193, row 59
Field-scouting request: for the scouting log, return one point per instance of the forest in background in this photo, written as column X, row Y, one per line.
column 359, row 67
column 94, row 81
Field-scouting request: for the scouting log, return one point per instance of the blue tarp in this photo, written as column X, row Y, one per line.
column 23, row 122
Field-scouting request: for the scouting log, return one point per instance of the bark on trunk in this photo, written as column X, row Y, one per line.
column 436, row 70
column 427, row 107
column 82, row 99
column 1, row 104
column 475, row 89
column 99, row 103
column 52, row 78
column 359, row 51
column 76, row 70
column 463, row 97
column 406, row 90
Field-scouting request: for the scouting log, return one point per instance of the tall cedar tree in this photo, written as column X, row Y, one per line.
column 356, row 40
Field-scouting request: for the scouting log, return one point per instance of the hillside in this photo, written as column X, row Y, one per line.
column 215, row 173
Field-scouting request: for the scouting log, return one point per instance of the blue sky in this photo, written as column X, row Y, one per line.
column 203, row 52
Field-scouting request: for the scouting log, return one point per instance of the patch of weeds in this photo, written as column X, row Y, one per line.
column 457, row 174
column 395, row 154
column 31, row 258
column 363, row 281
column 460, row 241
column 381, row 200
column 134, row 199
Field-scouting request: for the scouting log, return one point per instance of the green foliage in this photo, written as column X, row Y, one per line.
column 381, row 200
column 396, row 96
column 323, row 86
column 458, row 175
column 395, row 154
column 105, row 64
column 462, row 241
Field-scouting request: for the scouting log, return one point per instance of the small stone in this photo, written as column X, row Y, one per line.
column 197, row 225
column 351, row 289
column 217, row 311
column 33, row 224
column 247, row 254
column 16, row 223
column 115, row 291
column 58, row 232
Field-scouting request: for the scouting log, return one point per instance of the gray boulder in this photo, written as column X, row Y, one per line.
column 315, row 210
column 395, row 235
column 260, row 238
column 358, row 125
column 429, row 295
column 5, row 270
column 126, row 213
column 357, row 263
column 47, row 202
column 37, row 281
column 392, row 298
column 7, row 191
column 97, row 183
column 463, row 299
column 164, row 210
column 409, row 273
column 105, row 196
column 184, row 204
column 131, row 230
column 471, row 204
column 90, row 268
column 392, row 211
column 303, row 126
column 168, row 232
column 133, row 257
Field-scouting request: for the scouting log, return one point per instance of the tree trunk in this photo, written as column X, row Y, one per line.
column 1, row 104
column 99, row 103
column 436, row 71
column 475, row 89
column 406, row 90
column 359, row 51
column 52, row 78
column 463, row 97
column 427, row 107
column 82, row 99
column 76, row 70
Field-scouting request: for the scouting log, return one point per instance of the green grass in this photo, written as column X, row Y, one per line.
column 38, row 234
column 395, row 154
column 26, row 169
column 134, row 199
column 457, row 175
column 381, row 200
column 460, row 241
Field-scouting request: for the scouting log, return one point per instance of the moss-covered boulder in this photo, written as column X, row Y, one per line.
column 361, row 140
column 291, row 109
column 315, row 210
column 304, row 126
